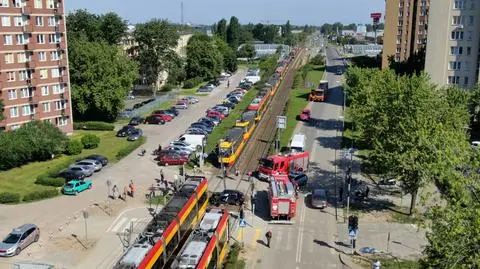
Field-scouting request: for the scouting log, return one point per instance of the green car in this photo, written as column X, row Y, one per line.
column 76, row 186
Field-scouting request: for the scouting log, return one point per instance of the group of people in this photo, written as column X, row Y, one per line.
column 130, row 190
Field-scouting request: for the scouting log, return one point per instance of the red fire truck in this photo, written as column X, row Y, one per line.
column 282, row 198
column 283, row 163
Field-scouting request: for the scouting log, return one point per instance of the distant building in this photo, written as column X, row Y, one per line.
column 348, row 33
column 128, row 43
column 361, row 29
column 370, row 49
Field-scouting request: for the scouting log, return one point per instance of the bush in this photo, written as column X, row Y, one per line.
column 167, row 87
column 192, row 82
column 318, row 60
column 93, row 125
column 130, row 147
column 39, row 195
column 47, row 180
column 90, row 141
column 74, row 147
column 9, row 198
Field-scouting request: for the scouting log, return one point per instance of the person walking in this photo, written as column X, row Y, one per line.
column 228, row 83
column 367, row 191
column 115, row 192
column 132, row 188
column 162, row 176
column 268, row 235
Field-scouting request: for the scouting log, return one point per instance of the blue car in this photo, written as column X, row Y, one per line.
column 76, row 186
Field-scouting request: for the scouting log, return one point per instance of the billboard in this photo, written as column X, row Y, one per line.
column 376, row 17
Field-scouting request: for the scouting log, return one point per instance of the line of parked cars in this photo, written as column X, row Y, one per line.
column 209, row 86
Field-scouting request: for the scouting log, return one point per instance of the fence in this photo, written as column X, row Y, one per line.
column 129, row 113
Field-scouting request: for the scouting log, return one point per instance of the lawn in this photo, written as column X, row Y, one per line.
column 298, row 100
column 21, row 180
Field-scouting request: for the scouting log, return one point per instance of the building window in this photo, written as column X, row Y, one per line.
column 39, row 21
column 42, row 56
column 459, row 4
column 51, row 4
column 18, row 21
column 52, row 21
column 28, row 110
column 55, row 73
column 44, row 90
column 453, row 80
column 12, row 94
column 21, row 40
column 61, row 121
column 457, row 20
column 55, row 55
column 469, row 50
column 453, row 65
column 456, row 50
column 43, row 73
column 20, row 3
column 26, row 93
column 6, row 21
column 59, row 105
column 9, row 58
column 469, row 35
column 465, row 80
column 457, row 35
column 56, row 89
column 471, row 20
column 54, row 38
column 4, row 3
column 21, row 57
column 10, row 76
column 7, row 40
column 14, row 112
column 41, row 39
column 46, row 107
column 472, row 5
column 24, row 75
column 38, row 3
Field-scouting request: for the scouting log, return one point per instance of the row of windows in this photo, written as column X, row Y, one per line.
column 459, row 50
column 29, row 92
column 28, row 110
column 462, row 4
column 456, row 80
column 27, row 74
column 22, row 3
column 460, row 20
column 22, row 39
column 59, row 121
column 23, row 57
column 23, row 20
column 459, row 35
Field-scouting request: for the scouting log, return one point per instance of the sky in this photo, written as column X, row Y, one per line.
column 299, row 12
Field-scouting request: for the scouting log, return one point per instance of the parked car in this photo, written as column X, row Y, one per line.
column 97, row 157
column 190, row 99
column 215, row 82
column 233, row 99
column 96, row 165
column 171, row 152
column 154, row 119
column 207, row 122
column 125, row 131
column 226, row 74
column 204, row 89
column 135, row 135
column 164, row 116
column 196, row 131
column 210, row 86
column 76, row 186
column 339, row 71
column 86, row 170
column 18, row 239
column 236, row 93
column 173, row 159
column 136, row 121
column 214, row 119
column 181, row 105
column 183, row 144
column 69, row 175
column 165, row 112
column 220, row 108
column 228, row 197
column 181, row 149
column 202, row 126
column 304, row 115
column 213, row 113
column 173, row 110
column 319, row 198
column 229, row 105
column 299, row 179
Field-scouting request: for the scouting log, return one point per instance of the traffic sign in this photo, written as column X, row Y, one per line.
column 281, row 122
column 352, row 233
column 242, row 223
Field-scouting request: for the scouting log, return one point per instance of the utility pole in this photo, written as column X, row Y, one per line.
column 222, row 165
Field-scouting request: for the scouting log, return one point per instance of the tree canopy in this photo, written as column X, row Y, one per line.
column 203, row 58
column 101, row 76
column 229, row 55
column 221, row 29
column 233, row 33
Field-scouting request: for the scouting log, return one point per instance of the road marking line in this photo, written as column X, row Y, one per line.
column 255, row 237
column 300, row 235
column 123, row 212
column 118, row 225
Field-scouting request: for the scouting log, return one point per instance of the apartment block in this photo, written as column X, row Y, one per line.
column 34, row 78
column 453, row 42
column 405, row 29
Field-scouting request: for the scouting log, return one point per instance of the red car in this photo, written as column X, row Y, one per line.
column 171, row 159
column 213, row 113
column 164, row 117
column 305, row 115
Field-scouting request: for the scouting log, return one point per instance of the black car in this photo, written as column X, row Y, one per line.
column 228, row 197
column 173, row 110
column 125, row 131
column 154, row 120
column 215, row 119
column 196, row 131
column 215, row 82
column 69, row 174
column 229, row 105
column 207, row 122
column 97, row 157
column 202, row 126
column 136, row 121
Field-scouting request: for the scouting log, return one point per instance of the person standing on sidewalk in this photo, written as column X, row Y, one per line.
column 125, row 193
column 162, row 176
column 132, row 189
column 115, row 192
column 268, row 235
column 340, row 194
column 228, row 83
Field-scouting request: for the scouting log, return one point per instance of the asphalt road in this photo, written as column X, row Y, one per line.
column 312, row 241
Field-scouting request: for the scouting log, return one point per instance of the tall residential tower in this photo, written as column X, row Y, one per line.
column 34, row 79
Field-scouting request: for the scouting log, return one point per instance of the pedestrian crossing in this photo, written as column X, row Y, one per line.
column 120, row 225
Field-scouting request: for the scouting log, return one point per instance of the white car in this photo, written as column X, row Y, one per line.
column 475, row 144
column 225, row 74
column 182, row 144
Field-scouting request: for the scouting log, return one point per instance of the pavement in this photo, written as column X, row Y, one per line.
column 62, row 217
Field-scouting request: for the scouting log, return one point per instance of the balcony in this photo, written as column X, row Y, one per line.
column 63, row 79
column 30, row 46
column 62, row 63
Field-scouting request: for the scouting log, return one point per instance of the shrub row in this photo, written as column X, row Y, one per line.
column 39, row 195
column 232, row 261
column 90, row 141
column 47, row 180
column 131, row 147
column 93, row 125
column 192, row 82
column 9, row 198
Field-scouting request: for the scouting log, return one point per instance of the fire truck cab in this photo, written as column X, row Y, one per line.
column 282, row 198
column 286, row 163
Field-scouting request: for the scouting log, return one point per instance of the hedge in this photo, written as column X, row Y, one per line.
column 192, row 82
column 74, row 147
column 130, row 147
column 9, row 198
column 167, row 87
column 39, row 195
column 93, row 125
column 47, row 180
column 90, row 141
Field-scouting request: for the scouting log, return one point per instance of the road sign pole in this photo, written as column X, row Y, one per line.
column 85, row 217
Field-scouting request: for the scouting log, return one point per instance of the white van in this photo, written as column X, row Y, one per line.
column 192, row 139
column 298, row 143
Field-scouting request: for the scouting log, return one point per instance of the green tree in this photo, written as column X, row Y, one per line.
column 113, row 27
column 99, row 90
column 221, row 29
column 83, row 23
column 258, row 32
column 233, row 33
column 157, row 40
column 229, row 56
column 249, row 51
column 287, row 34
column 271, row 33
column 203, row 58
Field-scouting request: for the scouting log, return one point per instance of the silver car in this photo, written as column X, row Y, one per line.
column 97, row 166
column 85, row 169
column 178, row 150
column 19, row 239
column 319, row 198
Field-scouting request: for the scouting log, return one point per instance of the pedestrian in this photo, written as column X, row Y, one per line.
column 340, row 194
column 237, row 172
column 115, row 192
column 366, row 192
column 268, row 235
column 253, row 199
column 132, row 188
column 228, row 83
column 162, row 176
column 225, row 171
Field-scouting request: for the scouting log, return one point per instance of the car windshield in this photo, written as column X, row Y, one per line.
column 69, row 185
column 76, row 169
column 267, row 163
column 12, row 238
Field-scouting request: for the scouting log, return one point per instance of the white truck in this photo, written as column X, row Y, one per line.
column 298, row 143
column 193, row 139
